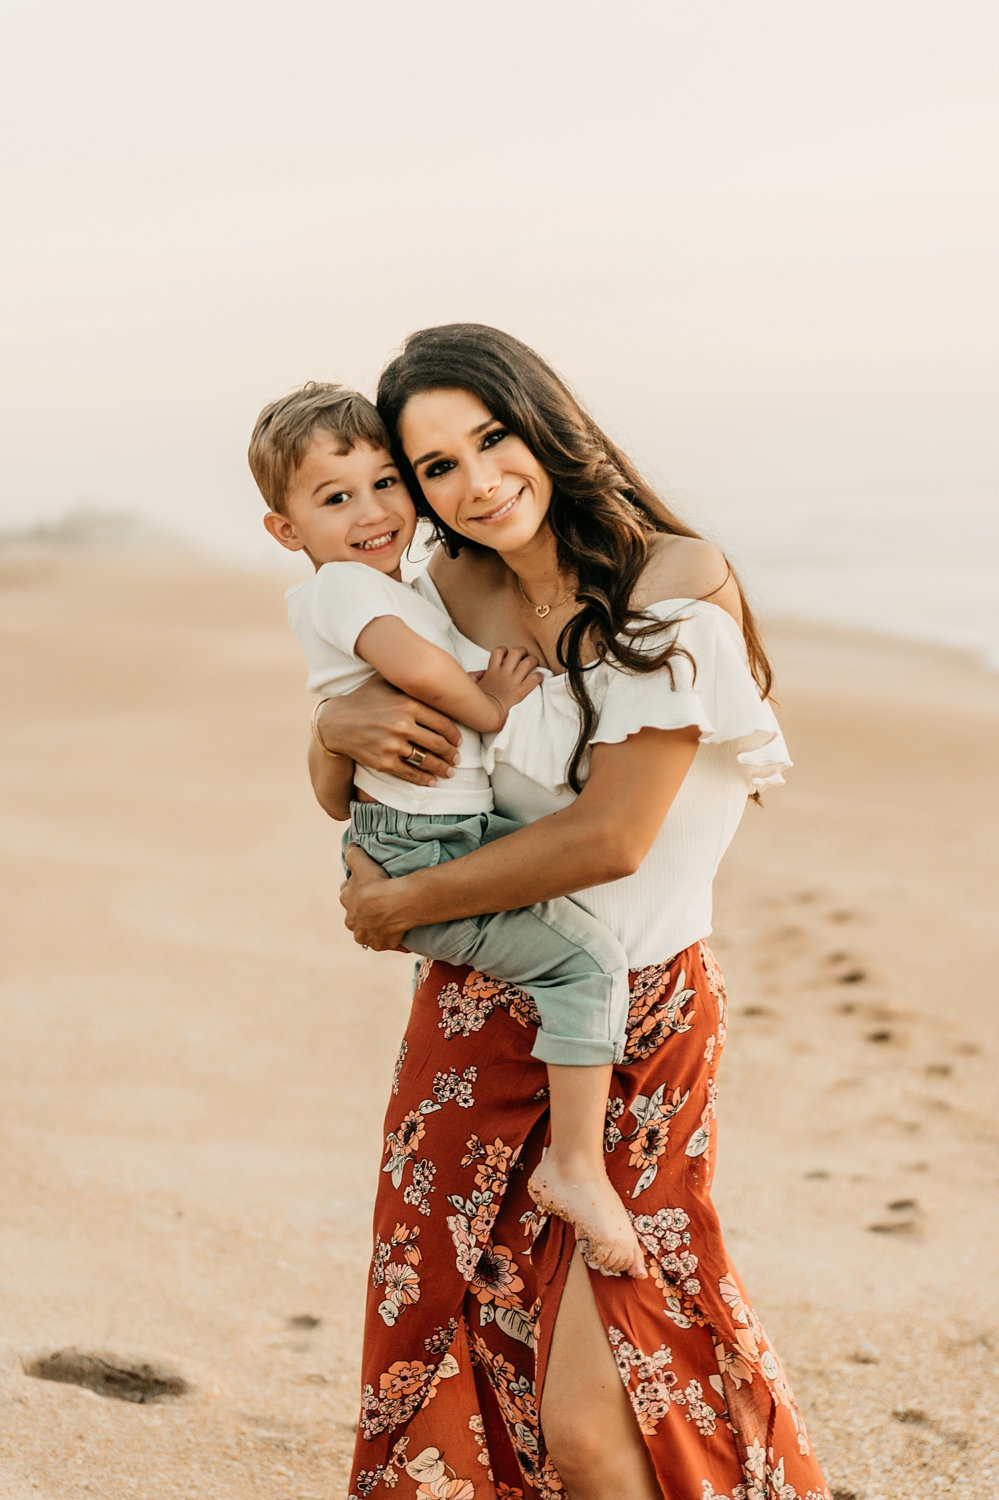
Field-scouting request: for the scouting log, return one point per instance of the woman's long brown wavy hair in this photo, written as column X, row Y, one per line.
column 602, row 512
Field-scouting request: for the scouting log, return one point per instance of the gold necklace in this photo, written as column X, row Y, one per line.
column 541, row 610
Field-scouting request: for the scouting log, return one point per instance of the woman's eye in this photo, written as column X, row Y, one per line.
column 337, row 499
column 437, row 468
column 493, row 436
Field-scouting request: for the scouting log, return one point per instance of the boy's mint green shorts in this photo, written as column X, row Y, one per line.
column 573, row 968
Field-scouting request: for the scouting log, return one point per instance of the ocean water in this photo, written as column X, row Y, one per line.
column 917, row 568
column 925, row 571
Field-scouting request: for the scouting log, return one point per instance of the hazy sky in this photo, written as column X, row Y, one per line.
column 761, row 239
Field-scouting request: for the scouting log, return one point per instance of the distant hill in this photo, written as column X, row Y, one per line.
column 92, row 526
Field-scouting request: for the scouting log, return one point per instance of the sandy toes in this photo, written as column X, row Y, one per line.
column 605, row 1233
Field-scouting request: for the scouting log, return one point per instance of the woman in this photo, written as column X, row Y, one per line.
column 496, row 1363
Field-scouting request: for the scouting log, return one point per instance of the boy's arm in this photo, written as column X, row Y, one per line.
column 424, row 671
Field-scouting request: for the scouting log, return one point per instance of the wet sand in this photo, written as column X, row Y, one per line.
column 195, row 1058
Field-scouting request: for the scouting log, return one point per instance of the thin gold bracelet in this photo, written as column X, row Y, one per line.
column 314, row 724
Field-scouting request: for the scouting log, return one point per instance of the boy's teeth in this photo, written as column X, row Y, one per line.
column 375, row 541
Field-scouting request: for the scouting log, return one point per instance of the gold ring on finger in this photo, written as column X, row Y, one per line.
column 416, row 756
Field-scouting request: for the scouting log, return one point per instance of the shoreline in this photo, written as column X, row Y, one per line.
column 857, row 658
column 172, row 550
column 196, row 1056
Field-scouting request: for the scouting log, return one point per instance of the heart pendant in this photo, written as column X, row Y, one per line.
column 541, row 610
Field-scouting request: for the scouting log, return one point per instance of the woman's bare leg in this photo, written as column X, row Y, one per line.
column 586, row 1416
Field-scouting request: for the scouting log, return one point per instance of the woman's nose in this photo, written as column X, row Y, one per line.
column 483, row 477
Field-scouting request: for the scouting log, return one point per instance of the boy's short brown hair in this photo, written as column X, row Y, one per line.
column 284, row 428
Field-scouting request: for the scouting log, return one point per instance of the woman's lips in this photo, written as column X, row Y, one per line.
column 499, row 512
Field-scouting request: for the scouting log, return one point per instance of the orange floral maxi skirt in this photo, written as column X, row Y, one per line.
column 466, row 1280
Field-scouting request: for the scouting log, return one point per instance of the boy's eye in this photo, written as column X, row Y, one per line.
column 493, row 436
column 386, row 482
column 336, row 499
column 437, row 468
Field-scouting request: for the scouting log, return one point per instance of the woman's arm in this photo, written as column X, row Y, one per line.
column 604, row 835
column 332, row 778
column 377, row 726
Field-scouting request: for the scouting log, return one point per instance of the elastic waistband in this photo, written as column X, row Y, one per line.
column 375, row 817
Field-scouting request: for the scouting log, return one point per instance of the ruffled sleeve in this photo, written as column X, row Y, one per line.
column 711, row 688
column 720, row 697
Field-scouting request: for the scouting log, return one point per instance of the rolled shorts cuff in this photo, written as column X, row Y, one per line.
column 450, row 942
column 576, row 1051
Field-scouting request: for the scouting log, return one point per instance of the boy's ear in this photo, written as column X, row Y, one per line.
column 283, row 531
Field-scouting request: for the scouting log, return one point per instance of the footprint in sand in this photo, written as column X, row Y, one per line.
column 911, row 1416
column 307, row 1321
column 301, row 1325
column 900, row 1226
column 109, row 1375
column 881, row 1033
column 851, row 968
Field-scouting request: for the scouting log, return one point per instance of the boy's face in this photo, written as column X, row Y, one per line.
column 346, row 507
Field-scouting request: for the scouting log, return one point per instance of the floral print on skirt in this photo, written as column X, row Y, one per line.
column 466, row 1277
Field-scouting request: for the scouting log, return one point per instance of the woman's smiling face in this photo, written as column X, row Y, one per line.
column 481, row 479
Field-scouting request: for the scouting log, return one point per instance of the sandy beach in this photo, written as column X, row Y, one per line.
column 194, row 1056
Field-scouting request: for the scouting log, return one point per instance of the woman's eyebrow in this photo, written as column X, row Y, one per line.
column 473, row 432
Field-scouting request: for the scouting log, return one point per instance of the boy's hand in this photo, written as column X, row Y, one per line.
column 510, row 676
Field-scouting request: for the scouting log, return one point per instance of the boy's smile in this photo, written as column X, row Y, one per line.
column 346, row 507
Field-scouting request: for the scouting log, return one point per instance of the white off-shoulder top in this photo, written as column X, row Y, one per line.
column 666, row 905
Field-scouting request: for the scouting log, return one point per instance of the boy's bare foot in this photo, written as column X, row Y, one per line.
column 595, row 1211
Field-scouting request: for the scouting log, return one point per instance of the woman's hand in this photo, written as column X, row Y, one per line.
column 601, row 836
column 379, row 727
column 371, row 901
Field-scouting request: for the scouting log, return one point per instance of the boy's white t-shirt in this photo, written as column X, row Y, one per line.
column 328, row 612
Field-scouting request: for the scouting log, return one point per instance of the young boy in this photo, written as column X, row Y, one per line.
column 321, row 460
